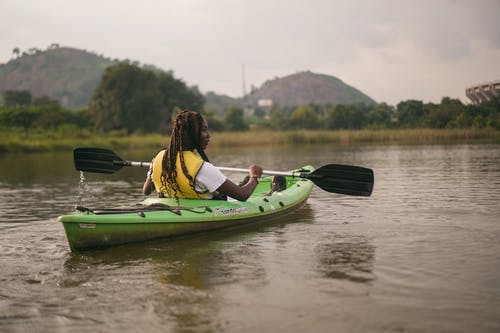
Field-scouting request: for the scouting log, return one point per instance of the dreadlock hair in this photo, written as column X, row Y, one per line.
column 185, row 135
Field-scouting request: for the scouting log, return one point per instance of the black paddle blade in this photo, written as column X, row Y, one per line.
column 97, row 160
column 343, row 179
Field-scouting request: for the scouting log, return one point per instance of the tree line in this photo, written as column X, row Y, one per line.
column 132, row 99
column 450, row 113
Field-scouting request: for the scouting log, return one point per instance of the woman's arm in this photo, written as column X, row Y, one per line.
column 242, row 193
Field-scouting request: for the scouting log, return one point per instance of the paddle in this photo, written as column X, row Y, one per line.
column 336, row 178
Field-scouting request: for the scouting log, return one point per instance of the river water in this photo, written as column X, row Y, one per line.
column 422, row 254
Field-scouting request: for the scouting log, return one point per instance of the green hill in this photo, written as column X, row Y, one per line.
column 66, row 74
column 298, row 89
column 305, row 88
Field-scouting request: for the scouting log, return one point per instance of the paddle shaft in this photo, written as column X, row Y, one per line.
column 266, row 172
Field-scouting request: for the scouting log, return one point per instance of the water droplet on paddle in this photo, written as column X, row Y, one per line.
column 83, row 189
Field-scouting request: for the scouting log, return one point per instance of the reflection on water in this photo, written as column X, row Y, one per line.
column 347, row 257
column 420, row 254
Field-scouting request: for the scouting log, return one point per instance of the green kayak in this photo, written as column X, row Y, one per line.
column 158, row 218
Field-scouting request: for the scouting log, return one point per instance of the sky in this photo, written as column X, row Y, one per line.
column 391, row 50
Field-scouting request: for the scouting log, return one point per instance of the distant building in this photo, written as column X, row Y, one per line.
column 265, row 103
column 484, row 92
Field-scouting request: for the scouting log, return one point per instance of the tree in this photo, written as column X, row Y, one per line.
column 17, row 98
column 345, row 117
column 44, row 100
column 410, row 113
column 135, row 98
column 259, row 113
column 304, row 117
column 493, row 111
column 278, row 120
column 234, row 120
column 51, row 116
column 442, row 115
column 127, row 98
column 380, row 116
column 19, row 117
column 214, row 122
column 175, row 93
column 16, row 52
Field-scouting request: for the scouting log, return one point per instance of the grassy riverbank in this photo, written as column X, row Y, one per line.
column 15, row 142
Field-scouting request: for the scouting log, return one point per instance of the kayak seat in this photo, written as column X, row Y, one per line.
column 278, row 184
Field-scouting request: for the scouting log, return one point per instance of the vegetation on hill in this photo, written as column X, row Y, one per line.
column 66, row 74
column 303, row 88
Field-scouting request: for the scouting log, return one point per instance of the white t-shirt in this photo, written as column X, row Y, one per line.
column 209, row 178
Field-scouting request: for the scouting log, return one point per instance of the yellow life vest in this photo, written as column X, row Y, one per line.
column 193, row 164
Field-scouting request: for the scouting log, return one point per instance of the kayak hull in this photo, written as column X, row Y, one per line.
column 159, row 218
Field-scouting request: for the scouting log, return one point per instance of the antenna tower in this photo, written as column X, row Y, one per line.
column 243, row 83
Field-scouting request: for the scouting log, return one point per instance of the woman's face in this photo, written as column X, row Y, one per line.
column 205, row 135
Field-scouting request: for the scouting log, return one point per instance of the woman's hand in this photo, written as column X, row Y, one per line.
column 255, row 171
column 149, row 186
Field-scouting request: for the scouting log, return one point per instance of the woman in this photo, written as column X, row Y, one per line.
column 184, row 171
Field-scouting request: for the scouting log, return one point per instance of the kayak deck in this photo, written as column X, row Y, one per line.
column 165, row 217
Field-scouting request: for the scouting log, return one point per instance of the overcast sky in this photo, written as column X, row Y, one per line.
column 392, row 50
